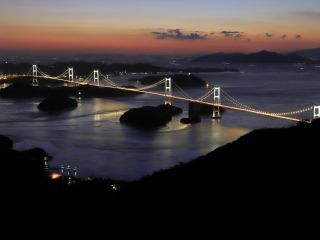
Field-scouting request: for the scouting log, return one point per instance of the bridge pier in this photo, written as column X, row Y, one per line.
column 168, row 91
column 216, row 102
column 35, row 75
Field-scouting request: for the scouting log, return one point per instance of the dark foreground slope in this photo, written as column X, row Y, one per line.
column 268, row 162
column 267, row 179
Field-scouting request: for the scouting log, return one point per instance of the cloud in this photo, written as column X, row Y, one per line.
column 232, row 34
column 179, row 35
column 298, row 36
column 269, row 35
column 284, row 36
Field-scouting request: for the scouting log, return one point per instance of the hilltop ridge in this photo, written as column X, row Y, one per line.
column 262, row 57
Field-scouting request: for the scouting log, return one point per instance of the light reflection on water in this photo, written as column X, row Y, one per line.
column 92, row 138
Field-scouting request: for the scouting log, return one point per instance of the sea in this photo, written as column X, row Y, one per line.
column 92, row 139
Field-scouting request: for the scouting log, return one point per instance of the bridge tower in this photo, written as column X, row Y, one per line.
column 96, row 77
column 217, row 102
column 316, row 112
column 70, row 74
column 35, row 74
column 168, row 91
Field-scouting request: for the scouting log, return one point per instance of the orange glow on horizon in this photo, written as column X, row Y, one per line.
column 143, row 41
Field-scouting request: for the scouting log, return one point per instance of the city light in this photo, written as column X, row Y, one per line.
column 55, row 176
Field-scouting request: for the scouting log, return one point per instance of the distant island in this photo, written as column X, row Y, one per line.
column 197, row 110
column 86, row 68
column 204, row 109
column 261, row 57
column 183, row 80
column 313, row 54
column 150, row 117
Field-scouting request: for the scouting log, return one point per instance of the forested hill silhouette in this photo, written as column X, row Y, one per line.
column 258, row 57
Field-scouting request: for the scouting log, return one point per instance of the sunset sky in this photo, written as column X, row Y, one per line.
column 159, row 27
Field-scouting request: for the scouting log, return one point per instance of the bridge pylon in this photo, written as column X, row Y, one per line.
column 70, row 74
column 216, row 102
column 316, row 112
column 35, row 75
column 96, row 77
column 168, row 91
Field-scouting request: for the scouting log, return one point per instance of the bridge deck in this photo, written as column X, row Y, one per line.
column 177, row 98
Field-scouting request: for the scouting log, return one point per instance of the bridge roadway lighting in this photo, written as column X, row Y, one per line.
column 169, row 96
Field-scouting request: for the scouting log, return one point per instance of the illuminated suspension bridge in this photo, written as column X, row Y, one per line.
column 100, row 80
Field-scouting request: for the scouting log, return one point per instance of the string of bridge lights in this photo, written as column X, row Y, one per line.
column 216, row 92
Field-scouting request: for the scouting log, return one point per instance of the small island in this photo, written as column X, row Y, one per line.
column 57, row 102
column 183, row 80
column 190, row 120
column 207, row 110
column 21, row 88
column 150, row 117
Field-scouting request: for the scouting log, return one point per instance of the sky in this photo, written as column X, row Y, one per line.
column 159, row 26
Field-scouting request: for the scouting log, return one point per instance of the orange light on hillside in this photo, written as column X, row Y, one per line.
column 55, row 176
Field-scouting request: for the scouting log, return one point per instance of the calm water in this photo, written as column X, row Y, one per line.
column 92, row 138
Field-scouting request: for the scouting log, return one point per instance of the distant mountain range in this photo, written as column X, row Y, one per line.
column 258, row 57
column 301, row 56
column 310, row 53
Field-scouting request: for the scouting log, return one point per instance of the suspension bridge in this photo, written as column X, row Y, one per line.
column 97, row 79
